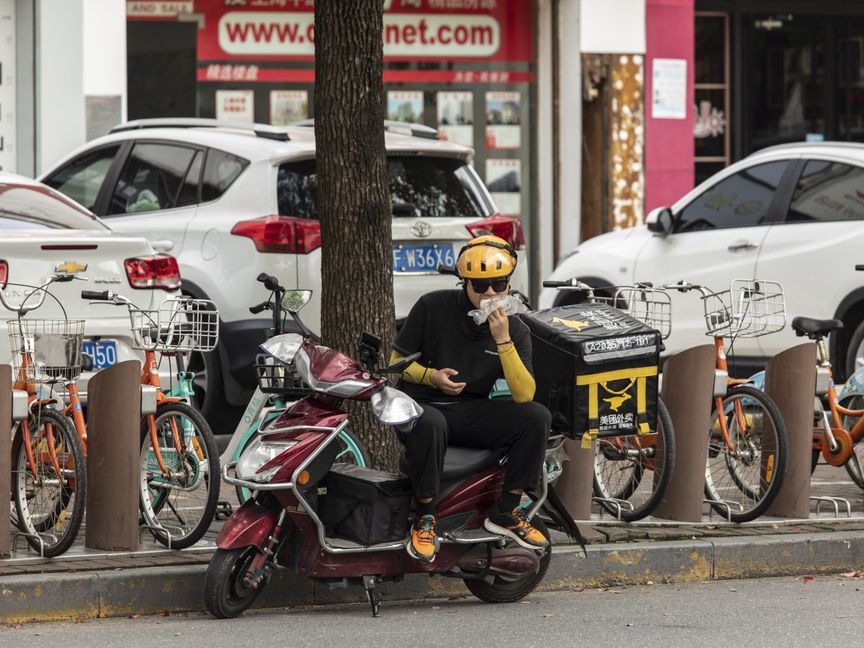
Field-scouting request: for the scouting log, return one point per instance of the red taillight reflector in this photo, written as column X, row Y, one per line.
column 158, row 271
column 4, row 273
column 505, row 227
column 281, row 234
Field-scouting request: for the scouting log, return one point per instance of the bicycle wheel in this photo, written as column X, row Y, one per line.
column 744, row 473
column 855, row 465
column 178, row 507
column 351, row 451
column 49, row 505
column 631, row 473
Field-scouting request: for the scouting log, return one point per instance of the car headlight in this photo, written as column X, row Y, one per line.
column 258, row 454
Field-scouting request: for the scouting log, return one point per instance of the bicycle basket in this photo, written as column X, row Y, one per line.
column 648, row 305
column 46, row 351
column 279, row 378
column 180, row 324
column 750, row 308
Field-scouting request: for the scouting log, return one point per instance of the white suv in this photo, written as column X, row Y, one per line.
column 230, row 202
column 790, row 213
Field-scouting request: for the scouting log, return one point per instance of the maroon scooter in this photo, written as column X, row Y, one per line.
column 343, row 524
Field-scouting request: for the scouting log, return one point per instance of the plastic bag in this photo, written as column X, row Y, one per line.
column 510, row 303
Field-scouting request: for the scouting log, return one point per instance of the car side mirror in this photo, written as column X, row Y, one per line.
column 660, row 221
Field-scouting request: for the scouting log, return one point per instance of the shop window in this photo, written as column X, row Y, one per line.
column 827, row 191
column 740, row 200
column 711, row 93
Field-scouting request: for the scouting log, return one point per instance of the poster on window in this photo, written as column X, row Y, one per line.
column 504, row 180
column 456, row 117
column 503, row 120
column 405, row 106
column 669, row 89
column 235, row 106
column 288, row 106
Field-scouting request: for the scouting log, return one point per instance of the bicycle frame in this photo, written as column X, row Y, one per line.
column 835, row 408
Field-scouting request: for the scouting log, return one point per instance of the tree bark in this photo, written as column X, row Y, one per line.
column 353, row 198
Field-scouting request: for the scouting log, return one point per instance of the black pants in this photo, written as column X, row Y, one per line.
column 522, row 428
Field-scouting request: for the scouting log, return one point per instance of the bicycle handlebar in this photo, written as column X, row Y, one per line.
column 260, row 307
column 96, row 295
column 21, row 309
column 270, row 282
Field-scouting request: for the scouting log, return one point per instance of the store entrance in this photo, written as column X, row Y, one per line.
column 805, row 79
column 161, row 69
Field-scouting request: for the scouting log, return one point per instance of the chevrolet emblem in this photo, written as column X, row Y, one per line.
column 70, row 267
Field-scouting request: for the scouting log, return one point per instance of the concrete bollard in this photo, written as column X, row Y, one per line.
column 5, row 456
column 575, row 486
column 790, row 381
column 688, row 387
column 113, row 457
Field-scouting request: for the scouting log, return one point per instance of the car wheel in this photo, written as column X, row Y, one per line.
column 855, row 351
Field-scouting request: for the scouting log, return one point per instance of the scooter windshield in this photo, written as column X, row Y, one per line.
column 283, row 347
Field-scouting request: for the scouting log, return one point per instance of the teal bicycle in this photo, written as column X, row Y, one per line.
column 278, row 387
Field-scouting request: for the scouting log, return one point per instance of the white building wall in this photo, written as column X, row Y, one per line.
column 613, row 26
column 59, row 79
column 80, row 52
column 570, row 119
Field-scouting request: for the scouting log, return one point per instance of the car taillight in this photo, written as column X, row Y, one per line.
column 505, row 227
column 4, row 273
column 158, row 271
column 281, row 234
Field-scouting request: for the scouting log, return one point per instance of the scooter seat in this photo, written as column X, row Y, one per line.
column 462, row 462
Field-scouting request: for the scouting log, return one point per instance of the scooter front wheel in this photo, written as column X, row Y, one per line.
column 510, row 591
column 227, row 593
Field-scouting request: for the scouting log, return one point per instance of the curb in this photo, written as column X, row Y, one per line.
column 157, row 590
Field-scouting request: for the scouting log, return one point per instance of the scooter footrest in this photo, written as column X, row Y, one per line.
column 474, row 536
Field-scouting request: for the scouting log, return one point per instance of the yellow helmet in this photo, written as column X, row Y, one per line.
column 486, row 257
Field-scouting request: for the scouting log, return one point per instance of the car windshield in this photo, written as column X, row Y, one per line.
column 423, row 186
column 35, row 206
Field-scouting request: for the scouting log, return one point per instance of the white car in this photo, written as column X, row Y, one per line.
column 233, row 201
column 42, row 232
column 792, row 213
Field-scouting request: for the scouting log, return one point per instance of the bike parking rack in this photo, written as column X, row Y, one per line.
column 5, row 455
column 688, row 388
column 113, row 456
column 790, row 382
column 575, row 485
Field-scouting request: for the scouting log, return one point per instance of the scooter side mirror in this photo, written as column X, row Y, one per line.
column 294, row 300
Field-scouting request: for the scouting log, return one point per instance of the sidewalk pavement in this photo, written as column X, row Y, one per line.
column 84, row 583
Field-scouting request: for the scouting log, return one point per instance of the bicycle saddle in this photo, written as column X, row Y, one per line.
column 814, row 328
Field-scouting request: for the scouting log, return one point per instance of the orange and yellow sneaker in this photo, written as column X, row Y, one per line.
column 514, row 525
column 423, row 543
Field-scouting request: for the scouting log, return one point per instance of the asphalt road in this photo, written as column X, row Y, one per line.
column 822, row 611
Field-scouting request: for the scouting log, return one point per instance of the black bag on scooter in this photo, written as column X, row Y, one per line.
column 596, row 370
column 364, row 505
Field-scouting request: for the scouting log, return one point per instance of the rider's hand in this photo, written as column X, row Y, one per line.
column 441, row 379
column 499, row 326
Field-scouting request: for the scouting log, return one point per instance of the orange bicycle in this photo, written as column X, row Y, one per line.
column 49, row 474
column 747, row 444
column 179, row 478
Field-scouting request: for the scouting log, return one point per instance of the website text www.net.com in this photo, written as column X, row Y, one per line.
column 404, row 34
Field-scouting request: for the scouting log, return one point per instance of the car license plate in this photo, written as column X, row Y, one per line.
column 103, row 352
column 422, row 258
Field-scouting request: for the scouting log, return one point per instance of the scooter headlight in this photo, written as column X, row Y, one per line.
column 258, row 454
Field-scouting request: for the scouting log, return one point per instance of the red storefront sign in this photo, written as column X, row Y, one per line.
column 429, row 30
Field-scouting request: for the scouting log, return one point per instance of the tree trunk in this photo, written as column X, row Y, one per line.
column 353, row 199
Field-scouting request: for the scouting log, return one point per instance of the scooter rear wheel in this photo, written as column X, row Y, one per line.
column 510, row 591
column 225, row 594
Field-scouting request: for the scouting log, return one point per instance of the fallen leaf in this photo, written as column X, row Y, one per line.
column 629, row 625
column 135, row 616
column 808, row 579
column 435, row 607
column 577, row 589
column 649, row 582
column 732, row 589
column 456, row 597
column 546, row 616
column 79, row 619
column 775, row 526
column 166, row 612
